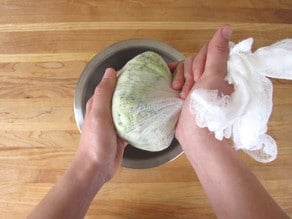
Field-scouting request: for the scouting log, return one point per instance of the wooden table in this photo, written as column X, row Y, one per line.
column 44, row 45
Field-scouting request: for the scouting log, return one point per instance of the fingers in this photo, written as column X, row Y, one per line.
column 121, row 143
column 178, row 76
column 104, row 91
column 172, row 66
column 218, row 52
column 183, row 76
column 189, row 77
column 188, row 72
column 89, row 104
column 199, row 62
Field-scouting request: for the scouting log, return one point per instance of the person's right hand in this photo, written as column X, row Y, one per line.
column 212, row 61
column 229, row 184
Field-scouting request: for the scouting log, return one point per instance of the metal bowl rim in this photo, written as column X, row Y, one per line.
column 99, row 58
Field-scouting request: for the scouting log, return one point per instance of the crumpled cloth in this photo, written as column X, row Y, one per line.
column 243, row 116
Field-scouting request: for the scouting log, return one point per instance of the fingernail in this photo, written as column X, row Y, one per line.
column 183, row 95
column 227, row 32
column 176, row 84
column 109, row 73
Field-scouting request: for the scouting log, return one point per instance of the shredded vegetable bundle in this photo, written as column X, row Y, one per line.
column 145, row 108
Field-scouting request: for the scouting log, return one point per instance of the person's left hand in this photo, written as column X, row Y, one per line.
column 99, row 141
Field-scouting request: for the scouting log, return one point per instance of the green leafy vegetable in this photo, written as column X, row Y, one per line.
column 145, row 108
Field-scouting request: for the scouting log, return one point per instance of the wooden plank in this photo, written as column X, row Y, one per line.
column 46, row 57
column 45, row 45
column 80, row 41
column 134, row 25
column 44, row 11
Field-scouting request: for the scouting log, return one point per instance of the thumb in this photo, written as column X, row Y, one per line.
column 104, row 90
column 218, row 51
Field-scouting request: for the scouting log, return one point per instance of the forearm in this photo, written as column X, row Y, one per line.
column 72, row 194
column 233, row 190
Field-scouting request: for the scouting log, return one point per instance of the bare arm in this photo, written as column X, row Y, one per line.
column 97, row 159
column 71, row 196
column 231, row 187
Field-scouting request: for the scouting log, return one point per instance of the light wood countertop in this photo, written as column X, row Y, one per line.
column 44, row 46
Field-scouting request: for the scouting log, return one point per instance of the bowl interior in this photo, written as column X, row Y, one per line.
column 116, row 56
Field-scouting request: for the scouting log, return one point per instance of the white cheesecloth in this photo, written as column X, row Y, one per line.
column 243, row 116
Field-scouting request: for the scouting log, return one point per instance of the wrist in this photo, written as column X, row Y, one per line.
column 91, row 162
column 87, row 171
column 198, row 143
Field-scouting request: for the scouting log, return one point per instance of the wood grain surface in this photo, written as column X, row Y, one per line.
column 44, row 45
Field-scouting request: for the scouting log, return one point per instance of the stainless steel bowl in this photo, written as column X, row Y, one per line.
column 116, row 56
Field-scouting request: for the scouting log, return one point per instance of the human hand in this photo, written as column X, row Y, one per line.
column 99, row 143
column 211, row 63
column 98, row 156
column 187, row 72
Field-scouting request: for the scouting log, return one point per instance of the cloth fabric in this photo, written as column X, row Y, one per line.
column 243, row 116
